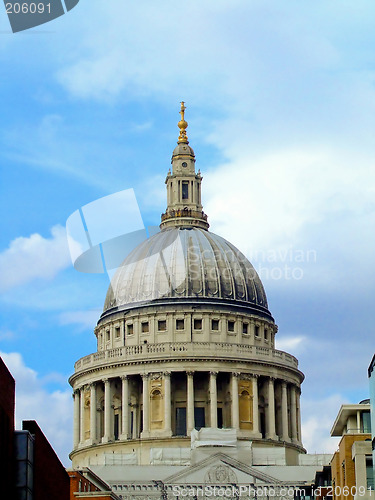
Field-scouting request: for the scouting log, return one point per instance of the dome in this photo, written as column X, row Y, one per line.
column 186, row 263
column 183, row 149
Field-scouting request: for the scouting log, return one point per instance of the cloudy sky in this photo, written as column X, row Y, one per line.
column 280, row 100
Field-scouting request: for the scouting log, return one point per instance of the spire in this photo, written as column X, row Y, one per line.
column 182, row 125
column 184, row 206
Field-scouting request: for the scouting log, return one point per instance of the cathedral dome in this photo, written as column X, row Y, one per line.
column 186, row 263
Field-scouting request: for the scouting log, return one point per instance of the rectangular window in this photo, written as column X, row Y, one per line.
column 130, row 329
column 180, row 421
column 366, row 422
column 245, row 328
column 162, row 325
column 197, row 324
column 256, row 330
column 266, row 334
column 145, row 327
column 108, row 335
column 180, row 324
column 230, row 326
column 369, row 474
column 185, row 190
column 215, row 324
column 117, row 332
column 199, row 418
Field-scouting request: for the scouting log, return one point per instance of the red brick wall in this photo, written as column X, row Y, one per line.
column 7, row 401
column 75, row 479
column 51, row 481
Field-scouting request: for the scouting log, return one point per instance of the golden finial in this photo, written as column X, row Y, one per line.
column 182, row 125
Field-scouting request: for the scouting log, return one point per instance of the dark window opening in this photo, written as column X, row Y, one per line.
column 130, row 329
column 215, row 324
column 180, row 324
column 185, row 190
column 117, row 332
column 145, row 327
column 230, row 326
column 266, row 333
column 256, row 330
column 162, row 325
column 220, row 418
column 199, row 418
column 180, row 421
column 245, row 328
column 197, row 324
column 116, row 427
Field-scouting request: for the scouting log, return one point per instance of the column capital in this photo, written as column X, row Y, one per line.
column 236, row 374
column 92, row 384
column 124, row 377
column 166, row 374
column 105, row 380
column 145, row 376
column 213, row 373
column 190, row 373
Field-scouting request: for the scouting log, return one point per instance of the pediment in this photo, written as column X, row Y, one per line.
column 221, row 469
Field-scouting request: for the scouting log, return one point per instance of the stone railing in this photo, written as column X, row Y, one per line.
column 185, row 212
column 176, row 350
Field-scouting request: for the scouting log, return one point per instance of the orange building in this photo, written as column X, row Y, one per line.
column 351, row 465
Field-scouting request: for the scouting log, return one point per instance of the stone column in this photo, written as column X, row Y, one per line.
column 299, row 430
column 82, row 416
column 107, row 411
column 235, row 404
column 190, row 402
column 271, row 427
column 167, row 404
column 293, row 413
column 76, row 419
column 124, row 407
column 213, row 399
column 284, row 412
column 255, row 407
column 93, row 413
column 146, row 406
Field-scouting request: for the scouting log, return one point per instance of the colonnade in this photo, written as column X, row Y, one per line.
column 145, row 405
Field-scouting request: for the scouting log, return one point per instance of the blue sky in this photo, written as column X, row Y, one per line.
column 280, row 103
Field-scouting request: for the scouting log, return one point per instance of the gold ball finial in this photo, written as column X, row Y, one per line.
column 182, row 125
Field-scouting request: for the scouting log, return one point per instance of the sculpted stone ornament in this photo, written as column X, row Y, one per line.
column 220, row 474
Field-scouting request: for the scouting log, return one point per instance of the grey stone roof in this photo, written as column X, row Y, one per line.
column 182, row 263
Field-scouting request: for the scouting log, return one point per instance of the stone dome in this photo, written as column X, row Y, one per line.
column 183, row 149
column 186, row 263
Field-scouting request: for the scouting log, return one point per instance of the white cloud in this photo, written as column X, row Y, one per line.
column 318, row 417
column 53, row 411
column 290, row 344
column 33, row 257
column 86, row 320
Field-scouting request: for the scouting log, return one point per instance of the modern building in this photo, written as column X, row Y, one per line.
column 351, row 465
column 7, row 408
column 371, row 374
column 186, row 386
